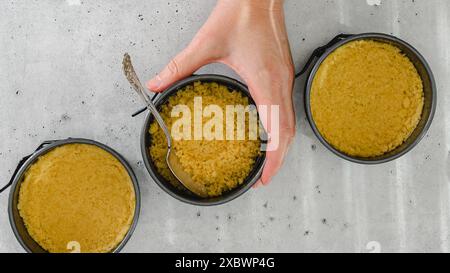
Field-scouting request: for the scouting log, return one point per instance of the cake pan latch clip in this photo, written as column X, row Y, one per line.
column 22, row 162
column 320, row 51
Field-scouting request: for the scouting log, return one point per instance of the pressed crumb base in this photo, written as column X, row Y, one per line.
column 367, row 98
column 77, row 194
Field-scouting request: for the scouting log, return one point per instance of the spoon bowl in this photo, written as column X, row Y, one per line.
column 171, row 159
column 161, row 99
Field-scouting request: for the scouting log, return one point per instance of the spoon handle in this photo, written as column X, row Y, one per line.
column 131, row 76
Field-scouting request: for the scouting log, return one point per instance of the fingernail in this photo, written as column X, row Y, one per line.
column 265, row 183
column 155, row 83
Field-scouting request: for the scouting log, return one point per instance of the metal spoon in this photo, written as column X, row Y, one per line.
column 171, row 159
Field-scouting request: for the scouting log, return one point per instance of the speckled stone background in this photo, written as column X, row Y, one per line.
column 60, row 76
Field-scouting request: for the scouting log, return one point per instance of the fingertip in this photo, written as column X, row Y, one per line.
column 257, row 184
column 155, row 84
column 265, row 180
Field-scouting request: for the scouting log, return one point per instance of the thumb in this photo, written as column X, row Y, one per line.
column 182, row 66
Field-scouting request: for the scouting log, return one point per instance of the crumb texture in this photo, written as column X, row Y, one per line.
column 77, row 193
column 220, row 165
column 367, row 98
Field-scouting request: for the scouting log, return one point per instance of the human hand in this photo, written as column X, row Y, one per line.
column 250, row 37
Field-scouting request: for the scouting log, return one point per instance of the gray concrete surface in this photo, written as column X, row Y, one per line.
column 60, row 76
